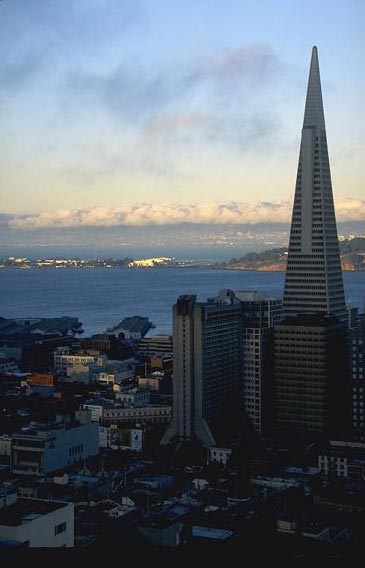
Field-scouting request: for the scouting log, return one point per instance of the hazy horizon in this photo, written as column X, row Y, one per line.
column 120, row 112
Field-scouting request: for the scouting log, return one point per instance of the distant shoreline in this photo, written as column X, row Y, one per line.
column 137, row 268
column 352, row 253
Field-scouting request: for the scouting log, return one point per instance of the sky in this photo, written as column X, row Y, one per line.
column 158, row 111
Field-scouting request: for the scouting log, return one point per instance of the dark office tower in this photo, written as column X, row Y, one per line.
column 357, row 364
column 311, row 390
column 313, row 276
column 207, row 362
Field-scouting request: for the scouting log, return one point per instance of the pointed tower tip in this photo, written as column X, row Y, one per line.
column 314, row 55
column 314, row 115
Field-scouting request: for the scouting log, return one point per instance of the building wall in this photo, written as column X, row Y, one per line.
column 56, row 450
column 357, row 377
column 72, row 446
column 257, row 374
column 41, row 532
column 207, row 380
column 311, row 375
column 219, row 455
column 144, row 415
column 5, row 445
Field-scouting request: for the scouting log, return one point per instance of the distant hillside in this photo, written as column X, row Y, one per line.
column 352, row 257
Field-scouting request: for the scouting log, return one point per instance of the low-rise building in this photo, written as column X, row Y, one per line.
column 132, row 328
column 219, row 455
column 78, row 366
column 121, row 438
column 35, row 523
column 133, row 396
column 42, row 449
column 343, row 459
column 42, row 390
column 151, row 414
column 110, row 377
column 156, row 345
column 5, row 445
column 152, row 383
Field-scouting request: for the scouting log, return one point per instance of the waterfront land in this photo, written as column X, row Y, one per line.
column 352, row 258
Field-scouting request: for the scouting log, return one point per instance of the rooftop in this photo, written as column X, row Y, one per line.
column 26, row 510
column 59, row 326
column 211, row 533
column 134, row 323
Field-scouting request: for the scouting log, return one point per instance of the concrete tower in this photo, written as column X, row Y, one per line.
column 207, row 344
column 313, row 276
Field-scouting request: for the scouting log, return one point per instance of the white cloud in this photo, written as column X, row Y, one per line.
column 209, row 212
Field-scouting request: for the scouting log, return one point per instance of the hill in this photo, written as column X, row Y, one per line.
column 352, row 257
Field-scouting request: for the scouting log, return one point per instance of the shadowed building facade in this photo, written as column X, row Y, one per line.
column 207, row 362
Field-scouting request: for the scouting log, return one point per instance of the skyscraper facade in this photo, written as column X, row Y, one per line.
column 313, row 281
column 207, row 362
column 311, row 380
column 310, row 374
column 357, row 365
column 260, row 313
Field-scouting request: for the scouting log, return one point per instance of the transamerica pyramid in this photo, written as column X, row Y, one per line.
column 313, row 281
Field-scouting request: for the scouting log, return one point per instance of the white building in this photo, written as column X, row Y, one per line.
column 219, row 455
column 95, row 407
column 78, row 366
column 104, row 437
column 42, row 449
column 105, row 378
column 105, row 412
column 146, row 415
column 133, row 396
column 343, row 459
column 35, row 523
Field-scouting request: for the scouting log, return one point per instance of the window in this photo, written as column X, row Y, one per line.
column 60, row 528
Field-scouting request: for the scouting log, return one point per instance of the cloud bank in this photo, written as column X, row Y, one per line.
column 207, row 212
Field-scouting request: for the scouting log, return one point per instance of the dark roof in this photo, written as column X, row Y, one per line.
column 47, row 326
column 134, row 323
column 26, row 510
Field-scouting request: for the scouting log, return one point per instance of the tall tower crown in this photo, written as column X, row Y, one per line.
column 314, row 114
column 313, row 281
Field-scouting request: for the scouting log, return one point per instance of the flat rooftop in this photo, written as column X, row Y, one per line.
column 134, row 323
column 211, row 533
column 26, row 510
column 43, row 430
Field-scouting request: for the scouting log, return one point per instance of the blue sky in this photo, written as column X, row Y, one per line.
column 105, row 104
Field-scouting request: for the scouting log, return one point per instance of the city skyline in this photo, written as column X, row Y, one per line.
column 122, row 104
column 181, row 368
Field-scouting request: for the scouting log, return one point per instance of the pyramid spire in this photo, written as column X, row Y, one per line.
column 313, row 281
column 314, row 114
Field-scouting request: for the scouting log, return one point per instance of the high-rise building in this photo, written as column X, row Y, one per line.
column 310, row 344
column 260, row 313
column 311, row 374
column 207, row 362
column 357, row 375
column 313, row 280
